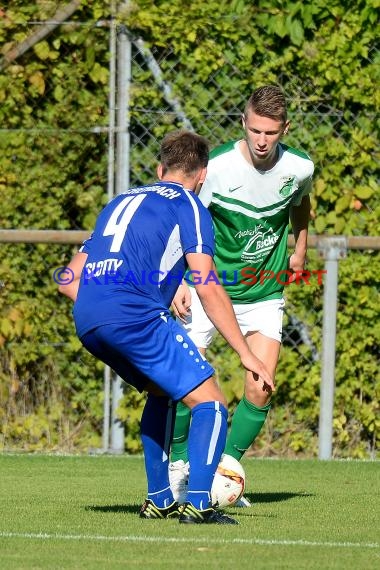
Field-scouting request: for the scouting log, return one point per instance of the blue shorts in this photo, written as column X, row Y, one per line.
column 157, row 349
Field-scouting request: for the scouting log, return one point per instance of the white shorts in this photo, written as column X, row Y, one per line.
column 264, row 317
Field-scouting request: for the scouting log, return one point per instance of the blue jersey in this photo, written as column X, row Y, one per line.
column 136, row 254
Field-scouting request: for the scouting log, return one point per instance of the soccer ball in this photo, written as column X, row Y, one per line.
column 229, row 482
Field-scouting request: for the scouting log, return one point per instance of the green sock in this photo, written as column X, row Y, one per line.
column 246, row 425
column 181, row 432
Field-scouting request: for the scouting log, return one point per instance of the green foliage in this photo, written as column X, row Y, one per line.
column 53, row 175
column 292, row 426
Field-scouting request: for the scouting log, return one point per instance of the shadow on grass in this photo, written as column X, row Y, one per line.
column 274, row 497
column 132, row 509
column 252, row 497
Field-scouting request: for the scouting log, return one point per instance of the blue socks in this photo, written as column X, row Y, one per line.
column 156, row 430
column 207, row 438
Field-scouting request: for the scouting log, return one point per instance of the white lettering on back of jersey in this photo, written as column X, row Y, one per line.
column 103, row 267
column 164, row 191
column 169, row 193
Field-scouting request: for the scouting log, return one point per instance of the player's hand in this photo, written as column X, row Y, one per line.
column 259, row 372
column 296, row 266
column 181, row 302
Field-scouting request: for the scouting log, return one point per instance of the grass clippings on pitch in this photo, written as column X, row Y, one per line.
column 81, row 512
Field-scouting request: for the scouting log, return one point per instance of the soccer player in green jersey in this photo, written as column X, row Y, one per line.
column 253, row 188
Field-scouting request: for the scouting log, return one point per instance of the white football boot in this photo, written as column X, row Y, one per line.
column 243, row 502
column 179, row 478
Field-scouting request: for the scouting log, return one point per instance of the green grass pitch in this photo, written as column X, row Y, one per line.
column 81, row 512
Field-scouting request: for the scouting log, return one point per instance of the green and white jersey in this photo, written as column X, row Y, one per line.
column 250, row 211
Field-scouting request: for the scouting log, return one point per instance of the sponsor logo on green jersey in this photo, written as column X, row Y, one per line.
column 286, row 185
column 259, row 244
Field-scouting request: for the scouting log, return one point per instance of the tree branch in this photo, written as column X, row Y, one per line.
column 60, row 16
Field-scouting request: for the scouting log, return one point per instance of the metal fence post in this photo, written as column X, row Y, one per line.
column 110, row 193
column 124, row 63
column 331, row 249
column 124, row 58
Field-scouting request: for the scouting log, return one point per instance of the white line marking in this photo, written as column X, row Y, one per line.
column 48, row 536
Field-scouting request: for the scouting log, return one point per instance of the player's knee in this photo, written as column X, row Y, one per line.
column 218, row 396
column 256, row 395
column 223, row 401
column 193, row 399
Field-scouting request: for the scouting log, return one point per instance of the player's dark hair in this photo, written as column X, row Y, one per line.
column 184, row 150
column 268, row 101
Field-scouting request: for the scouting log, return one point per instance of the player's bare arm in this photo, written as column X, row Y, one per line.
column 76, row 266
column 299, row 217
column 218, row 307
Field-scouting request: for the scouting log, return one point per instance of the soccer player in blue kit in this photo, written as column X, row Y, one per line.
column 125, row 277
